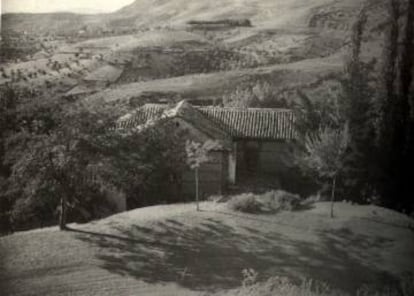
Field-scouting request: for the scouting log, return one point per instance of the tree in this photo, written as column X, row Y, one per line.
column 197, row 154
column 355, row 108
column 60, row 155
column 395, row 110
column 324, row 152
column 149, row 163
column 63, row 160
column 9, row 99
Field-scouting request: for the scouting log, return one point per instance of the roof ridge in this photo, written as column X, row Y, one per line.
column 221, row 107
column 223, row 122
column 244, row 109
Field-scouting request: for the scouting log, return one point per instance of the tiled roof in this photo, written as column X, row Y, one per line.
column 241, row 123
column 142, row 115
column 253, row 123
column 191, row 115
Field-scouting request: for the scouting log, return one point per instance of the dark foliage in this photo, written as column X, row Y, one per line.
column 395, row 116
column 149, row 165
column 355, row 106
column 59, row 159
column 373, row 107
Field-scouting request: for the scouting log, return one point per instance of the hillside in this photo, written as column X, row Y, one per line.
column 288, row 41
column 330, row 14
column 174, row 250
column 152, row 47
column 204, row 88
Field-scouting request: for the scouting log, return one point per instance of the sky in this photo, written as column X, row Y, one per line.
column 78, row 6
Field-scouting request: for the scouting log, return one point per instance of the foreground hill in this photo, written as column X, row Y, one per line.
column 174, row 250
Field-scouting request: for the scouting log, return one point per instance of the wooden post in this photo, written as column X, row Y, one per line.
column 333, row 196
column 62, row 216
column 196, row 184
column 232, row 164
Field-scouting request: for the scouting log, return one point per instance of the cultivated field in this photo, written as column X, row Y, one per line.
column 162, row 53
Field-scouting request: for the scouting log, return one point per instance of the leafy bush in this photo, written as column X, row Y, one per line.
column 280, row 200
column 249, row 277
column 246, row 203
column 271, row 201
column 254, row 94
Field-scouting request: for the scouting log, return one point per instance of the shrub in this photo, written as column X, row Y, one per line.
column 31, row 212
column 218, row 198
column 271, row 201
column 246, row 203
column 280, row 285
column 249, row 277
column 255, row 94
column 280, row 200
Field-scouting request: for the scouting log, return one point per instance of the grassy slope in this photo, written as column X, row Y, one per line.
column 174, row 250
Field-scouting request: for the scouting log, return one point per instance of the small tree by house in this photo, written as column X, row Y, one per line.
column 197, row 154
column 324, row 152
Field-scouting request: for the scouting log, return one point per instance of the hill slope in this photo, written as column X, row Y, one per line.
column 174, row 250
column 161, row 44
column 271, row 14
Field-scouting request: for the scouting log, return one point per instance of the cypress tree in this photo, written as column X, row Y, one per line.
column 356, row 110
column 395, row 117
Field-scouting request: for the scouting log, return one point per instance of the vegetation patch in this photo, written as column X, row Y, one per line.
column 245, row 202
column 223, row 22
column 269, row 202
column 280, row 285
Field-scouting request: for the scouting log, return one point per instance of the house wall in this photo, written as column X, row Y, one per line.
column 275, row 156
column 212, row 177
column 264, row 163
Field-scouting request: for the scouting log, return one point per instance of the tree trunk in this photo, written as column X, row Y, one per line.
column 333, row 196
column 62, row 214
column 196, row 184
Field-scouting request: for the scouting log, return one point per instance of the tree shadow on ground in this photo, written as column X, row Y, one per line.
column 212, row 255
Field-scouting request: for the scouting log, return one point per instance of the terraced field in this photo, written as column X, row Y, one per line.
column 168, row 55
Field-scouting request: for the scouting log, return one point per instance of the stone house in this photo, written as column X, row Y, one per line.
column 254, row 142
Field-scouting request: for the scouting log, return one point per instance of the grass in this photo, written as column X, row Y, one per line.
column 282, row 286
column 175, row 250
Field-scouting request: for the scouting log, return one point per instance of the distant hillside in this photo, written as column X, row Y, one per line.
column 157, row 40
column 60, row 23
column 270, row 14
